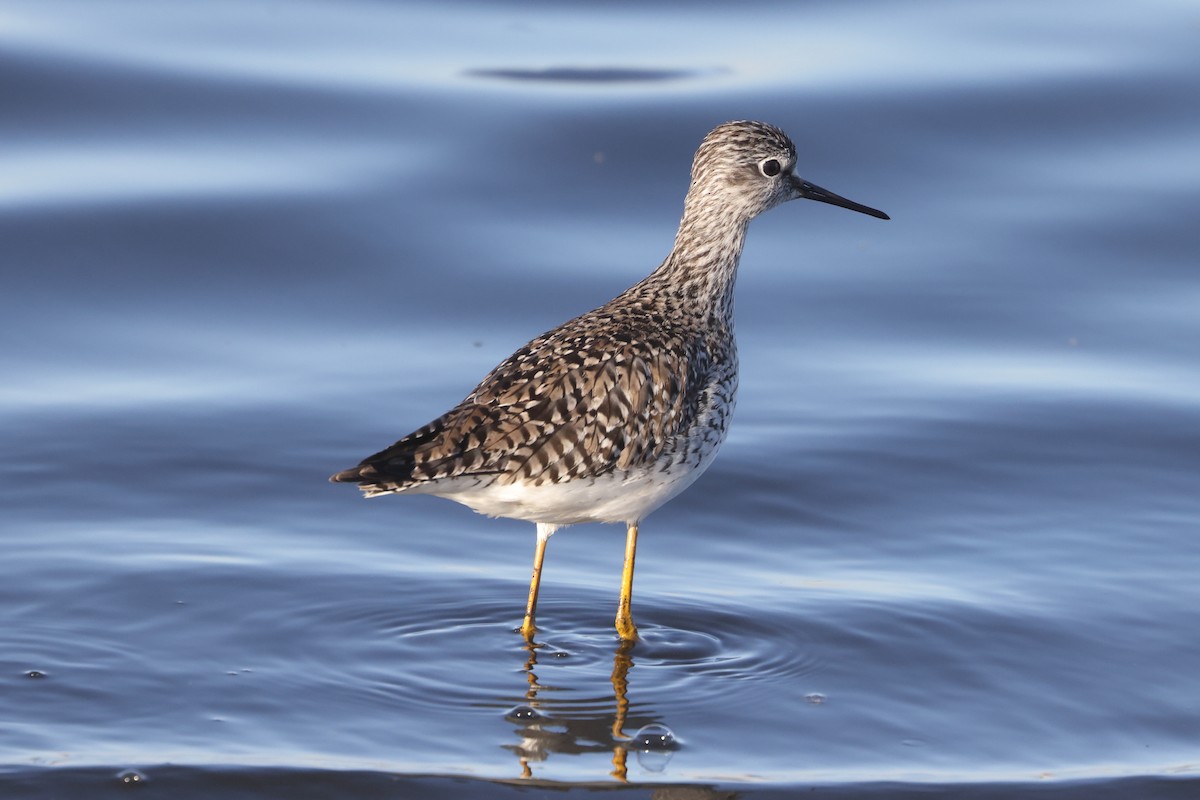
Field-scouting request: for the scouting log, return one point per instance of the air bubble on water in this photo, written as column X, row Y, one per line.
column 814, row 698
column 654, row 737
column 523, row 714
column 655, row 744
column 34, row 673
column 131, row 777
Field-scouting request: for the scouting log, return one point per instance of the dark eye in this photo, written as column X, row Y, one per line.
column 770, row 167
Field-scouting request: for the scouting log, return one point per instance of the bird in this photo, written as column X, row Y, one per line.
column 613, row 413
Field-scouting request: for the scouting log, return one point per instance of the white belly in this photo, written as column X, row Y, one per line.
column 617, row 497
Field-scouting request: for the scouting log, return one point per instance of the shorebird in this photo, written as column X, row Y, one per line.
column 610, row 415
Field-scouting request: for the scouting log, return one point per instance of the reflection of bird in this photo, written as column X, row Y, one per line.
column 580, row 729
column 608, row 416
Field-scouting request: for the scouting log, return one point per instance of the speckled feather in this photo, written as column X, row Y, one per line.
column 644, row 384
column 615, row 389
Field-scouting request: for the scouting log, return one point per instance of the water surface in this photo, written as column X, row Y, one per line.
column 950, row 545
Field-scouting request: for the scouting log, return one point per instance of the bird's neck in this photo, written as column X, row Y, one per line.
column 702, row 266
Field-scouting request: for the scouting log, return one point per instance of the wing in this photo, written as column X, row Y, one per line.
column 560, row 408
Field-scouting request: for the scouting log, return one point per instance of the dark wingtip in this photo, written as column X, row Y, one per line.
column 352, row 475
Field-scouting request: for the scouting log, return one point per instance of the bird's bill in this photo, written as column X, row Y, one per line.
column 810, row 191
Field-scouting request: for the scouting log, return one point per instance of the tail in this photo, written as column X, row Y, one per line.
column 363, row 472
column 395, row 468
column 369, row 480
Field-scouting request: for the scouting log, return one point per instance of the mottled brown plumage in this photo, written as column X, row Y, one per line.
column 614, row 390
column 611, row 414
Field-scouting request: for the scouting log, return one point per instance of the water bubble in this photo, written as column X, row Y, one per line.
column 654, row 737
column 131, row 777
column 655, row 744
column 35, row 673
column 523, row 714
column 814, row 698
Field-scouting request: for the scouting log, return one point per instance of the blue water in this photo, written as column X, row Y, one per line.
column 951, row 544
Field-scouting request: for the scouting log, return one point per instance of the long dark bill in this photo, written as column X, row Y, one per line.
column 810, row 191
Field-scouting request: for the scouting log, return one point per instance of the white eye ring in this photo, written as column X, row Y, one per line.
column 771, row 167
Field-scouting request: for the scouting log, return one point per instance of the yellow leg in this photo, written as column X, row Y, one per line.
column 527, row 627
column 625, row 626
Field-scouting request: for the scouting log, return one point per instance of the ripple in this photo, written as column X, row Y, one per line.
column 690, row 642
column 432, row 650
column 102, row 176
column 585, row 75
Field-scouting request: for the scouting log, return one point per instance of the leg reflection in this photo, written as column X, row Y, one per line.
column 564, row 717
column 622, row 661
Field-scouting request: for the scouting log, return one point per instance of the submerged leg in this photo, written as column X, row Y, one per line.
column 543, row 535
column 625, row 626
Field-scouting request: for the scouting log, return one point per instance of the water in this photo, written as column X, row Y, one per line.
column 950, row 546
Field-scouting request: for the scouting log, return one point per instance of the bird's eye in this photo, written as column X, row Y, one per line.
column 770, row 167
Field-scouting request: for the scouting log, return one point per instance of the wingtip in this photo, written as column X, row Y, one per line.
column 351, row 475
